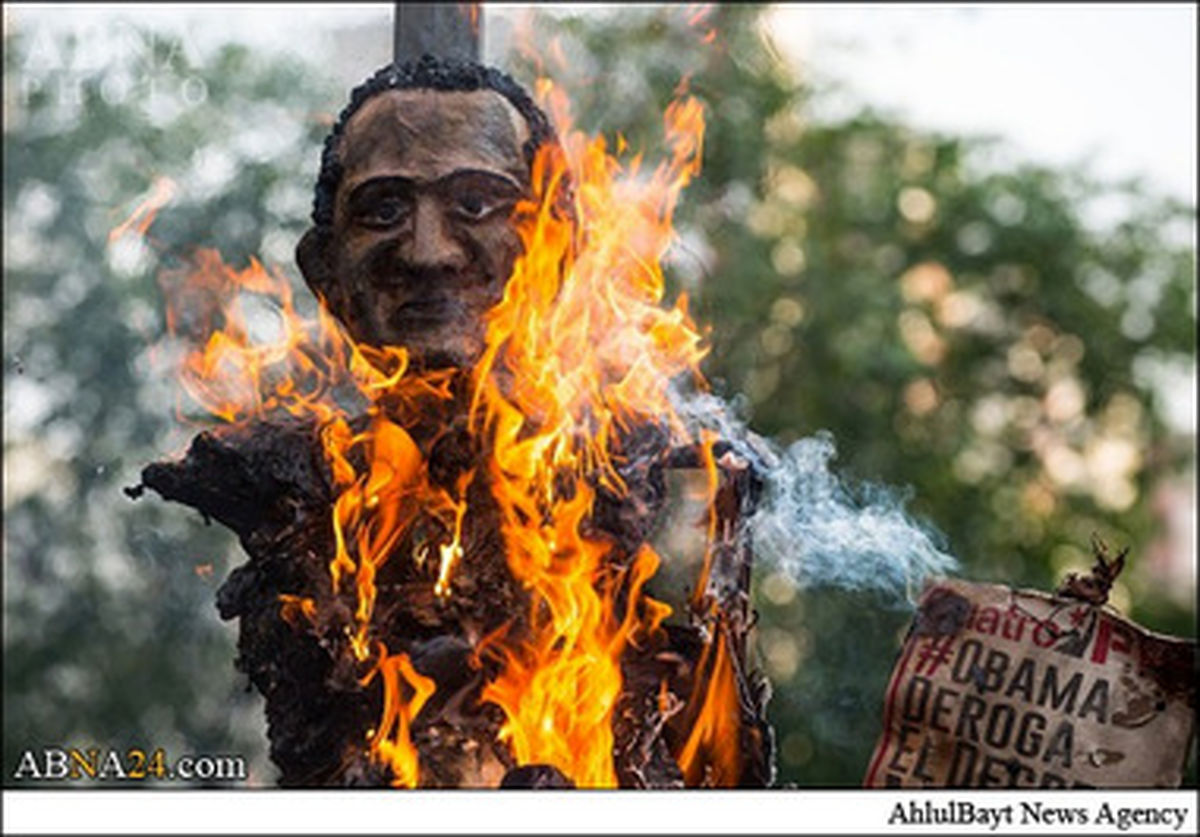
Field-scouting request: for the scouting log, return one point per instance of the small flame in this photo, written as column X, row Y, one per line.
column 161, row 192
column 391, row 742
column 710, row 755
column 698, row 12
column 292, row 608
column 451, row 553
column 471, row 11
column 697, row 17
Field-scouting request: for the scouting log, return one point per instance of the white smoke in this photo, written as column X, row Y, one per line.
column 818, row 527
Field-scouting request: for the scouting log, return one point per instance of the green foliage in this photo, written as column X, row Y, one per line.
column 951, row 318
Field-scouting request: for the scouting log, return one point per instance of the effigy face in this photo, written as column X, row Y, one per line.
column 422, row 242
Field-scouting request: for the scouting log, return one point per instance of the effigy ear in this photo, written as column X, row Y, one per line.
column 314, row 257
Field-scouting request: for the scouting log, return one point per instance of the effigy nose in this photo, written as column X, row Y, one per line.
column 433, row 244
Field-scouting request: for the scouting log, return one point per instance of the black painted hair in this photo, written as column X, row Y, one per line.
column 428, row 73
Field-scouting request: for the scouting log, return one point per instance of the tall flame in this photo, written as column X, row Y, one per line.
column 579, row 352
column 587, row 353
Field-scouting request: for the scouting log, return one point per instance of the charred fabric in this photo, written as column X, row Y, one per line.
column 268, row 483
column 691, row 707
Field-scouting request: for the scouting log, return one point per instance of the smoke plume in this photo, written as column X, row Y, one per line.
column 820, row 528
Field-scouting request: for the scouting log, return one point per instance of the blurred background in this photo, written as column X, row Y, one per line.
column 962, row 240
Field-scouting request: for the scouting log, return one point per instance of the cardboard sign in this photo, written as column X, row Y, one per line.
column 996, row 687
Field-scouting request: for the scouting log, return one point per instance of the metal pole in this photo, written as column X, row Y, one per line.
column 444, row 30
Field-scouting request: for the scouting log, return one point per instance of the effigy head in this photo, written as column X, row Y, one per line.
column 412, row 238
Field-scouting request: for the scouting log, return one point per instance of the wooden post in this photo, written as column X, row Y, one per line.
column 444, row 30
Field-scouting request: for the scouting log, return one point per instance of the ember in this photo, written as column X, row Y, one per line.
column 449, row 566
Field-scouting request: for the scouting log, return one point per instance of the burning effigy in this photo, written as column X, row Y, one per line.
column 446, row 486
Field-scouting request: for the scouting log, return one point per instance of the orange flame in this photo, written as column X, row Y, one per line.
column 471, row 12
column 291, row 608
column 697, row 16
column 710, row 755
column 697, row 12
column 162, row 190
column 392, row 742
column 579, row 352
column 236, row 374
column 587, row 353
